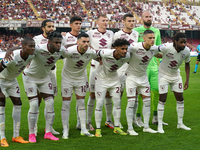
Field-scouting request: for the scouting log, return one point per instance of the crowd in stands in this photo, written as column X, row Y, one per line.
column 15, row 9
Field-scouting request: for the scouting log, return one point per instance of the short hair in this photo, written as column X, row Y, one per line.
column 148, row 32
column 120, row 42
column 127, row 15
column 178, row 35
column 101, row 15
column 83, row 35
column 75, row 18
column 54, row 34
column 44, row 23
column 26, row 40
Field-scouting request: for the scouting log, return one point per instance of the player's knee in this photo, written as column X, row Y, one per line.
column 33, row 105
column 49, row 103
column 99, row 104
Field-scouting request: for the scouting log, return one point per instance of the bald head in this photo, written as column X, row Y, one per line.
column 147, row 18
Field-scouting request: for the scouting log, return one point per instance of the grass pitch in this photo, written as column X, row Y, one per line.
column 173, row 138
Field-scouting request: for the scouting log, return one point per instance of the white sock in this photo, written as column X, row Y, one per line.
column 16, row 114
column 129, row 112
column 78, row 118
column 82, row 113
column 108, row 106
column 160, row 109
column 65, row 113
column 180, row 111
column 98, row 113
column 32, row 114
column 90, row 108
column 2, row 122
column 146, row 111
column 135, row 108
column 117, row 111
column 50, row 114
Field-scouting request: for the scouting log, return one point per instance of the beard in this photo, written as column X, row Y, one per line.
column 147, row 23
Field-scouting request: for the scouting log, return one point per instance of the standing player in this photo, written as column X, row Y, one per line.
column 141, row 54
column 99, row 39
column 152, row 69
column 10, row 87
column 169, row 74
column 73, row 78
column 70, row 39
column 130, row 35
column 36, row 76
column 47, row 27
column 107, row 79
column 198, row 58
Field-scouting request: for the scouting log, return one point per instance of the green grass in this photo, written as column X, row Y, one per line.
column 173, row 138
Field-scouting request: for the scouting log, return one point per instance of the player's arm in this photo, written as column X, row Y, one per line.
column 2, row 66
column 159, row 55
column 9, row 53
column 187, row 71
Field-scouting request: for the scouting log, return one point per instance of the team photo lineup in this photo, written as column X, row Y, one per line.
column 131, row 61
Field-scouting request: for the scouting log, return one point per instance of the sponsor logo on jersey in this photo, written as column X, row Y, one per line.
column 71, row 39
column 96, row 35
column 173, row 64
column 110, row 60
column 140, row 52
column 103, row 42
column 170, row 56
column 45, row 53
column 79, row 63
column 75, row 56
column 113, row 68
column 124, row 36
column 131, row 41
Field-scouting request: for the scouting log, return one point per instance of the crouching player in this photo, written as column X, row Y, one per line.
column 10, row 87
column 107, row 80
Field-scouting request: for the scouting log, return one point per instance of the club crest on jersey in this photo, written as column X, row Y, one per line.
column 140, row 52
column 30, row 90
column 87, row 56
column 99, row 94
column 170, row 56
column 66, row 90
column 182, row 56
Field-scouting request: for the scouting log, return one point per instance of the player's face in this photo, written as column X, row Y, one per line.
column 76, row 26
column 147, row 18
column 122, row 50
column 83, row 44
column 180, row 44
column 129, row 22
column 149, row 39
column 29, row 48
column 55, row 44
column 102, row 22
column 48, row 28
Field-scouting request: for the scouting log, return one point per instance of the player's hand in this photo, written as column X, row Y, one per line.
column 9, row 55
column 186, row 85
column 100, row 62
column 63, row 33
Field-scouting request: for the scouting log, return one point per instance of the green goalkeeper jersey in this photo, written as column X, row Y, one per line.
column 153, row 63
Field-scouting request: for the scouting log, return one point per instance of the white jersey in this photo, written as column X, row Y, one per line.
column 131, row 37
column 99, row 40
column 69, row 39
column 76, row 63
column 140, row 58
column 171, row 59
column 40, row 39
column 41, row 65
column 15, row 67
column 110, row 64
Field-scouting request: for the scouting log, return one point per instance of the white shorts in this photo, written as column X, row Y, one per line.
column 31, row 85
column 139, row 83
column 67, row 87
column 102, row 86
column 92, row 78
column 175, row 83
column 10, row 87
column 52, row 75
